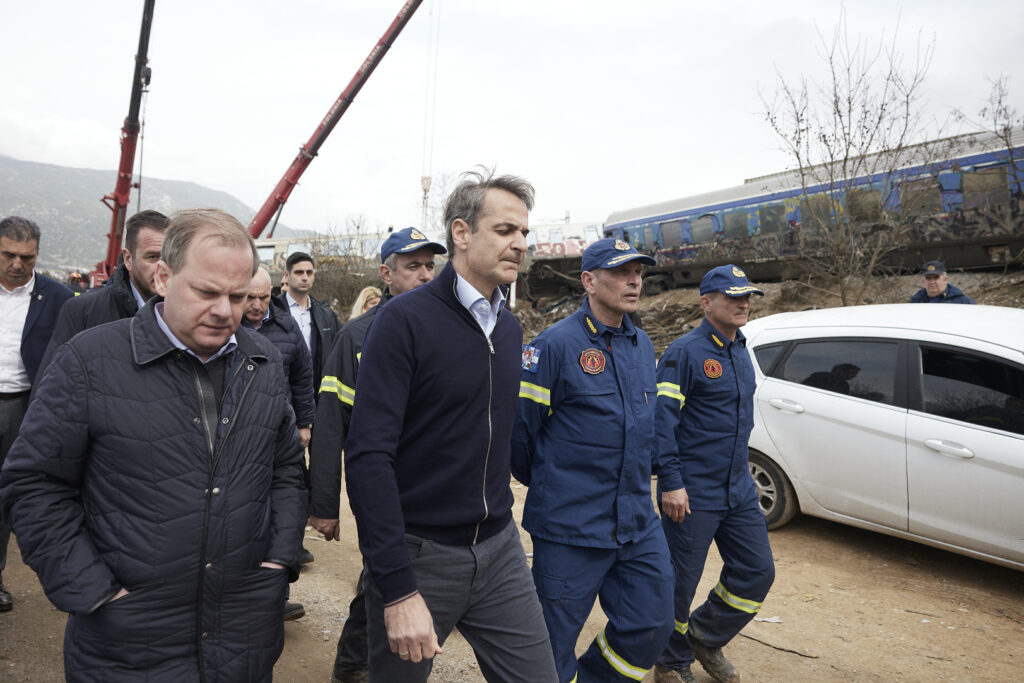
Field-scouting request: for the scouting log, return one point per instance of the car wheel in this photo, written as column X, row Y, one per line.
column 775, row 494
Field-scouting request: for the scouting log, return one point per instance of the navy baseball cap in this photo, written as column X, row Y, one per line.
column 728, row 280
column 933, row 268
column 612, row 253
column 406, row 240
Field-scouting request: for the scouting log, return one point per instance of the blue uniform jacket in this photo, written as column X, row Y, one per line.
column 584, row 434
column 705, row 411
column 952, row 295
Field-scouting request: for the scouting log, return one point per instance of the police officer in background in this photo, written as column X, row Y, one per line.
column 937, row 289
column 704, row 417
column 583, row 443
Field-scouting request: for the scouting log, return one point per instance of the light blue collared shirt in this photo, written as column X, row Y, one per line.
column 138, row 297
column 228, row 347
column 303, row 316
column 483, row 311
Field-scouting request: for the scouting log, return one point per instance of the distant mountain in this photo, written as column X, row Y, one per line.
column 65, row 202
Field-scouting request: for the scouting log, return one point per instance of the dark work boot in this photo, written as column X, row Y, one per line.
column 293, row 611
column 665, row 675
column 714, row 662
column 6, row 602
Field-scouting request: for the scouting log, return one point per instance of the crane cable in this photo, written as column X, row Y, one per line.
column 142, row 145
column 430, row 104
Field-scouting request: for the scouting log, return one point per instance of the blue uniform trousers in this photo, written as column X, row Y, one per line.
column 634, row 583
column 747, row 574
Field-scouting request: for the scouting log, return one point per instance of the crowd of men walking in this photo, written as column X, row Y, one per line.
column 154, row 431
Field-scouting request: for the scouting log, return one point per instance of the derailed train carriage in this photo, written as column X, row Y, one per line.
column 959, row 200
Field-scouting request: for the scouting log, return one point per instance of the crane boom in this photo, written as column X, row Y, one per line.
column 275, row 202
column 117, row 201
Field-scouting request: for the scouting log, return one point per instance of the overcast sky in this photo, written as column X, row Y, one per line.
column 602, row 105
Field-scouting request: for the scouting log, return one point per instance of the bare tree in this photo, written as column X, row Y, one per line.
column 861, row 119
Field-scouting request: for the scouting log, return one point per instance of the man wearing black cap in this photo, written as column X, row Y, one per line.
column 704, row 417
column 583, row 443
column 407, row 261
column 937, row 289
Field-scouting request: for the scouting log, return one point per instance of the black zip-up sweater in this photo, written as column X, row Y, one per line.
column 429, row 445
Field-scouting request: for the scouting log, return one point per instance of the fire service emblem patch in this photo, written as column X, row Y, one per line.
column 712, row 368
column 592, row 362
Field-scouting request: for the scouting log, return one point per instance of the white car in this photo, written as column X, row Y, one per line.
column 906, row 419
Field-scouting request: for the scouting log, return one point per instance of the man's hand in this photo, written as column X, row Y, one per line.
column 675, row 504
column 119, row 594
column 411, row 629
column 304, row 435
column 328, row 527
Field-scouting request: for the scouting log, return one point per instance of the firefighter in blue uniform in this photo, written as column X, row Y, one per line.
column 584, row 444
column 704, row 416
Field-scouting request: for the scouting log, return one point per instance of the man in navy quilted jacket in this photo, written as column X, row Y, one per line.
column 166, row 511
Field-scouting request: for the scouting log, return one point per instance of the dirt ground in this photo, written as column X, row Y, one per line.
column 847, row 605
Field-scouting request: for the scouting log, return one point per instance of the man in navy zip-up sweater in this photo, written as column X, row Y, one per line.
column 427, row 460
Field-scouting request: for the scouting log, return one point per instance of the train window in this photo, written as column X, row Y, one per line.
column 987, row 187
column 864, row 205
column 736, row 224
column 635, row 236
column 672, row 234
column 773, row 218
column 703, row 229
column 591, row 233
column 815, row 213
column 651, row 238
column 920, row 197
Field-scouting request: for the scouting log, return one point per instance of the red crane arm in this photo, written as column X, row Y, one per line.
column 117, row 201
column 308, row 151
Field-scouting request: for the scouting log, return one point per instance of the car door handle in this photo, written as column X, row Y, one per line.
column 786, row 404
column 949, row 448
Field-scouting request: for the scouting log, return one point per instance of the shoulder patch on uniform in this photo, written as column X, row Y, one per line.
column 712, row 368
column 531, row 358
column 670, row 364
column 592, row 362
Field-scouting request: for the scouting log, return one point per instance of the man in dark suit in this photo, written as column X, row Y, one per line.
column 29, row 303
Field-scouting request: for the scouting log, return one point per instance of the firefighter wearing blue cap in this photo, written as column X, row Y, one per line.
column 704, row 416
column 584, row 444
column 937, row 289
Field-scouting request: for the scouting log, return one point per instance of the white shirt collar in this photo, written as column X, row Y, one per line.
column 228, row 347
column 138, row 295
column 24, row 289
column 483, row 311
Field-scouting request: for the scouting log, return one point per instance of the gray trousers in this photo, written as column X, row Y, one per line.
column 12, row 411
column 487, row 592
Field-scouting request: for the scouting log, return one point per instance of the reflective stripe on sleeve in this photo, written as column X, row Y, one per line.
column 616, row 662
column 331, row 385
column 670, row 390
column 535, row 393
column 736, row 602
column 682, row 627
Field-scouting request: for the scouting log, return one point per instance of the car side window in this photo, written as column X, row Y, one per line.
column 972, row 388
column 863, row 369
column 767, row 355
